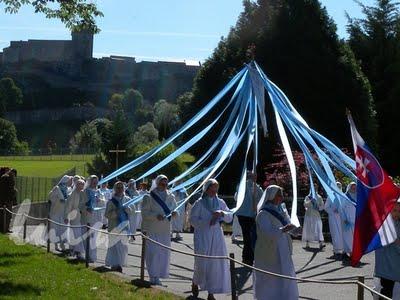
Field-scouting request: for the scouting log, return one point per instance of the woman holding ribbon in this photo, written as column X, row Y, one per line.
column 118, row 223
column 157, row 209
column 91, row 205
column 207, row 214
column 312, row 227
column 58, row 198
column 273, row 251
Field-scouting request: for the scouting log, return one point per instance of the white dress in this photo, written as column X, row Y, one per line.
column 348, row 220
column 117, row 251
column 58, row 233
column 133, row 216
column 273, row 252
column 73, row 214
column 157, row 258
column 312, row 227
column 178, row 222
column 335, row 226
column 211, row 275
column 93, row 218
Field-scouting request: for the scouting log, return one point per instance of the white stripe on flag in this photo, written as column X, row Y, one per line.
column 387, row 232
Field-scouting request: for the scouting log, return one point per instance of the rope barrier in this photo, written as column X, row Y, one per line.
column 340, row 282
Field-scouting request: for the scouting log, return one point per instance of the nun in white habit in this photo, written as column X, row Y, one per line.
column 348, row 219
column 273, row 250
column 332, row 207
column 118, row 223
column 72, row 215
column 92, row 205
column 206, row 216
column 312, row 227
column 58, row 198
column 157, row 225
column 132, row 192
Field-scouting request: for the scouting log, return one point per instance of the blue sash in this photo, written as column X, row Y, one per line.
column 64, row 191
column 163, row 205
column 276, row 215
column 122, row 215
column 351, row 198
column 91, row 199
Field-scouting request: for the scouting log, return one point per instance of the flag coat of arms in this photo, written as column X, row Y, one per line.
column 376, row 197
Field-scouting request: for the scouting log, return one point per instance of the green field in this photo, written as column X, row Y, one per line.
column 32, row 168
column 28, row 272
column 49, row 166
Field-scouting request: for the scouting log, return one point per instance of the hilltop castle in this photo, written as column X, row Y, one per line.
column 69, row 64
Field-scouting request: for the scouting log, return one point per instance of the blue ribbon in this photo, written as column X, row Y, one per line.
column 164, row 206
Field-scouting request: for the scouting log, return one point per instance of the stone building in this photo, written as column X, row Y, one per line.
column 80, row 47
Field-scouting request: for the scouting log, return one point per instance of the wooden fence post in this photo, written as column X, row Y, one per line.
column 24, row 236
column 87, row 258
column 360, row 291
column 4, row 219
column 48, row 234
column 233, row 276
column 142, row 257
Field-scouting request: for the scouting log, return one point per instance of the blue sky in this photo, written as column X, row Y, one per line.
column 154, row 29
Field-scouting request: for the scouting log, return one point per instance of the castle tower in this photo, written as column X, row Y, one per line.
column 82, row 44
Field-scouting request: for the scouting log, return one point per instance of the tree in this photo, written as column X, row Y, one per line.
column 146, row 134
column 10, row 95
column 8, row 136
column 375, row 40
column 86, row 138
column 166, row 118
column 133, row 100
column 116, row 102
column 184, row 107
column 295, row 43
column 75, row 14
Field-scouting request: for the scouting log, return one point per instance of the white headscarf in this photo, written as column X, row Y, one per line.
column 132, row 184
column 209, row 183
column 76, row 183
column 339, row 185
column 157, row 181
column 89, row 181
column 269, row 194
column 64, row 180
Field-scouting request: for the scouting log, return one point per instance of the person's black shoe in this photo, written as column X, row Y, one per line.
column 195, row 290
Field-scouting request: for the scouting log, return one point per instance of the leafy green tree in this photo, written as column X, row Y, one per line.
column 145, row 134
column 375, row 40
column 75, row 14
column 10, row 95
column 184, row 106
column 166, row 118
column 8, row 136
column 116, row 102
column 86, row 138
column 133, row 100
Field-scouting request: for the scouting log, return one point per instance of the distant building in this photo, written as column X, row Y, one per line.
column 78, row 49
column 46, row 66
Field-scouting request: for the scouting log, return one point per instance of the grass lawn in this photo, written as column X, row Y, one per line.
column 36, row 168
column 28, row 272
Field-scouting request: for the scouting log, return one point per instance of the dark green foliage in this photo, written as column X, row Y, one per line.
column 8, row 139
column 375, row 40
column 10, row 95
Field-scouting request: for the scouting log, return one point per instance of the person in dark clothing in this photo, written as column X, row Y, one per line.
column 8, row 196
column 246, row 215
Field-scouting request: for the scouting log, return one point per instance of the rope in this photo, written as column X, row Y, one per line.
column 212, row 257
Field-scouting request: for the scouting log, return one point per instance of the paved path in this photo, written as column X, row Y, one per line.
column 308, row 264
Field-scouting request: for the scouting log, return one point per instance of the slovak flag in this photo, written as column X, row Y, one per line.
column 376, row 197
